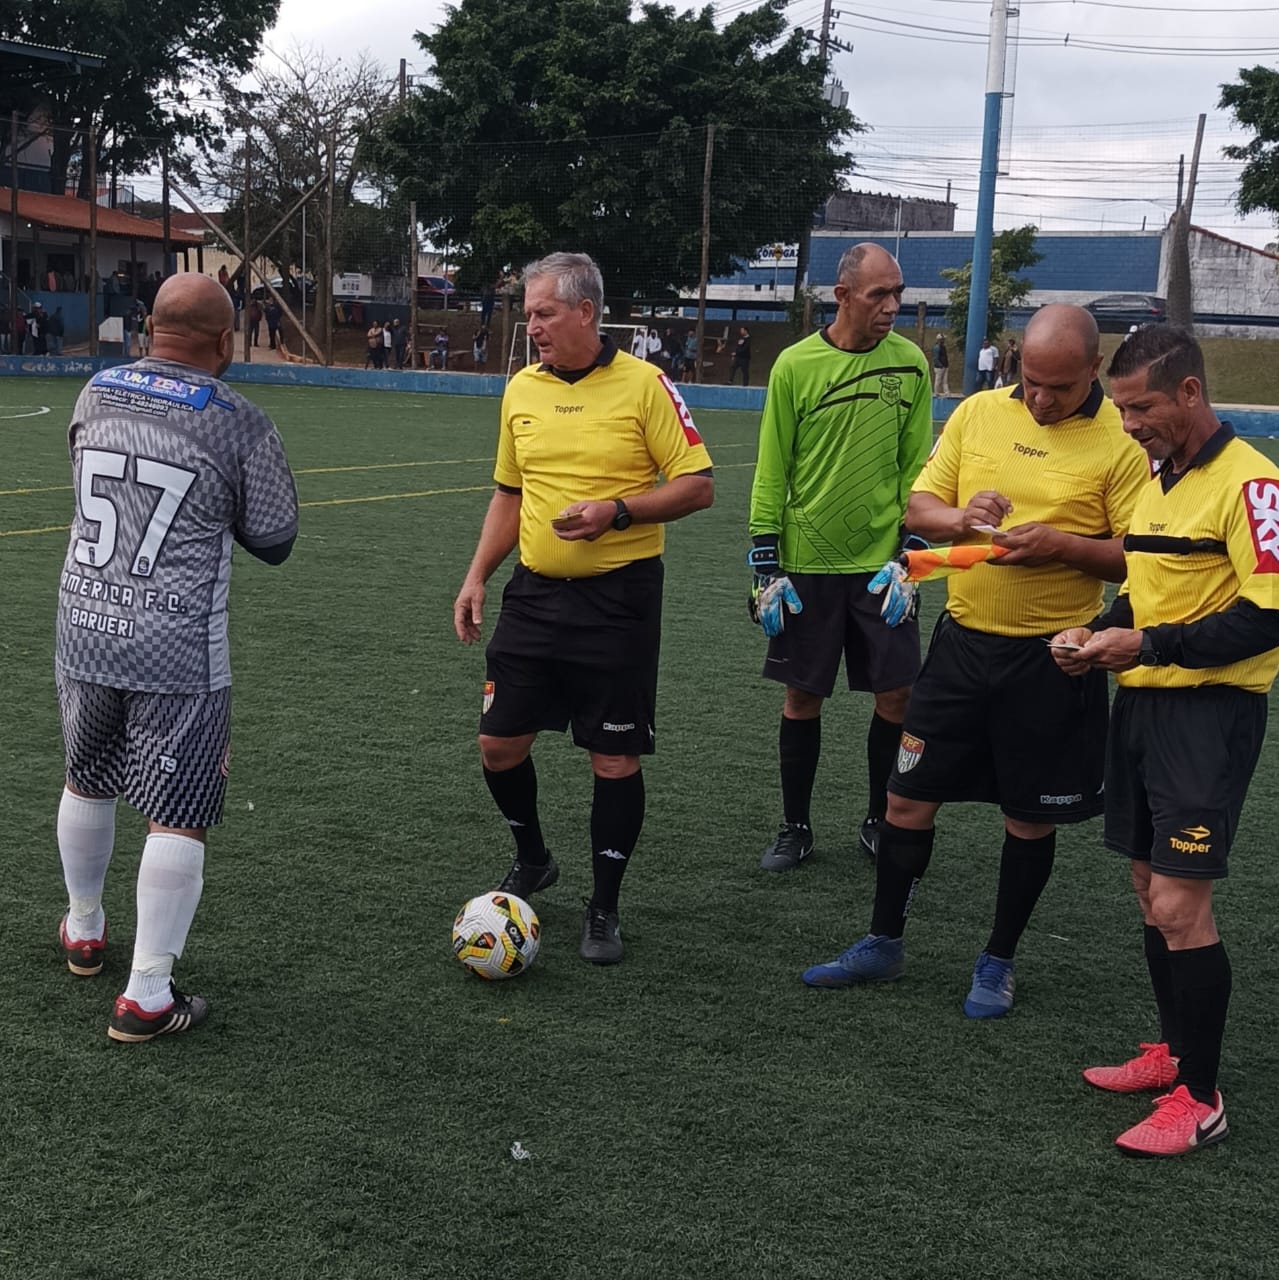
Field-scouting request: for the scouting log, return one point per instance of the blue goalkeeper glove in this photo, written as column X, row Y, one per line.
column 901, row 598
column 771, row 589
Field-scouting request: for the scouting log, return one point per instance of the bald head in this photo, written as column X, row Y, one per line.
column 864, row 256
column 1060, row 356
column 1063, row 326
column 193, row 322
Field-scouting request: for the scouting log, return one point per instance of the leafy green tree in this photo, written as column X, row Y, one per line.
column 1254, row 102
column 165, row 66
column 1011, row 251
column 585, row 128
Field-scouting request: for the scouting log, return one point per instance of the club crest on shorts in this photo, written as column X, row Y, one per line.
column 909, row 752
column 488, row 697
column 225, row 767
column 890, row 388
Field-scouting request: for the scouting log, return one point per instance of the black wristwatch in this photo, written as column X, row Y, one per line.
column 623, row 518
column 1149, row 655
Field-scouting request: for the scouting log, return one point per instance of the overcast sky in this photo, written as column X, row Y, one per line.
column 1106, row 96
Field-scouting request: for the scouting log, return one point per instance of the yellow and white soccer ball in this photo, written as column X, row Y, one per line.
column 496, row 935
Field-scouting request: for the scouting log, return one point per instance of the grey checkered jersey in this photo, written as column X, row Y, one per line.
column 170, row 466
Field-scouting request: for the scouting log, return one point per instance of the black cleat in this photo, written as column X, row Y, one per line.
column 868, row 837
column 601, row 936
column 524, row 879
column 132, row 1025
column 794, row 843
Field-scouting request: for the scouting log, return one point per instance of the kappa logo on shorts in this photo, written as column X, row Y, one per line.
column 1261, row 500
column 488, row 697
column 909, row 752
column 890, row 388
column 1197, row 842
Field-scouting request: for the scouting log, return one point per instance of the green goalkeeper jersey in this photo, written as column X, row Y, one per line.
column 844, row 435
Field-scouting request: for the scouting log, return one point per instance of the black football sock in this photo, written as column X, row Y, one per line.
column 1202, row 981
column 515, row 791
column 903, row 858
column 799, row 747
column 1024, row 868
column 617, row 816
column 882, row 740
column 1161, row 982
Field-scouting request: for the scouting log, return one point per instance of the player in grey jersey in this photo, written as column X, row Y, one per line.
column 170, row 466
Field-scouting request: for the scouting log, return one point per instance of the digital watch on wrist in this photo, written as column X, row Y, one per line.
column 623, row 518
column 1149, row 655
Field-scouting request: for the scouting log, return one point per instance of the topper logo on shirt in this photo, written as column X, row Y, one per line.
column 1261, row 500
column 685, row 418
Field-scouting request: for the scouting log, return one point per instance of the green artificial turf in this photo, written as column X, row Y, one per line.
column 351, row 1106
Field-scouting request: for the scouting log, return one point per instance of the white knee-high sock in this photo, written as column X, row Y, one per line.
column 170, row 880
column 86, row 837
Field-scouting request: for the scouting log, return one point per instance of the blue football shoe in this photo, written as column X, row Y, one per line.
column 991, row 995
column 875, row 958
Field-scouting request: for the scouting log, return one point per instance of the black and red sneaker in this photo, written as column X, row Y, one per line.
column 133, row 1024
column 84, row 956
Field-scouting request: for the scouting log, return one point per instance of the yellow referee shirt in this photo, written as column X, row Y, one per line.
column 1230, row 497
column 606, row 435
column 1081, row 475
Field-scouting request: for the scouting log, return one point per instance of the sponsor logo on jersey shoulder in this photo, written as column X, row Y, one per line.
column 1261, row 501
column 488, row 696
column 909, row 752
column 1196, row 841
column 154, row 384
column 691, row 433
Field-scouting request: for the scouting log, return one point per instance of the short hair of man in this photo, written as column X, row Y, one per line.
column 1168, row 353
column 577, row 278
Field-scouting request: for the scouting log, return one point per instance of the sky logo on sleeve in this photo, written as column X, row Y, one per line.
column 1261, row 501
column 691, row 434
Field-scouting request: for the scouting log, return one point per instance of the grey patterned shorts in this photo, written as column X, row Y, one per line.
column 167, row 753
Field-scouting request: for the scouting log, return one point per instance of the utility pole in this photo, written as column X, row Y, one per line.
column 246, row 288
column 1181, row 305
column 984, row 232
column 327, row 291
column 91, row 159
column 404, row 79
column 13, row 228
column 706, row 253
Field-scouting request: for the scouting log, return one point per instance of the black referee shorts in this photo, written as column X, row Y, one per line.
column 840, row 619
column 580, row 652
column 994, row 719
column 1178, row 765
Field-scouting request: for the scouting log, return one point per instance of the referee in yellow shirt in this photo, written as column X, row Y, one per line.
column 582, row 439
column 1045, row 472
column 1193, row 636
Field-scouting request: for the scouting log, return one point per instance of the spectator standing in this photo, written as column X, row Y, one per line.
column 1010, row 365
column 373, row 339
column 57, row 328
column 639, row 343
column 480, row 348
column 653, row 346
column 388, row 344
column 255, row 321
column 6, row 328
column 986, row 358
column 36, row 322
column 741, row 357
column 273, row 316
column 690, row 354
column 399, row 341
column 941, row 367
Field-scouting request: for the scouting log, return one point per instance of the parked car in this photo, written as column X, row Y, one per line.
column 1118, row 312
column 435, row 291
column 277, row 283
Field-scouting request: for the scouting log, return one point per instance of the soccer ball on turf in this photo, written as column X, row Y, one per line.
column 495, row 935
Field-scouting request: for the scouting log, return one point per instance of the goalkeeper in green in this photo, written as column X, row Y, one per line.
column 847, row 427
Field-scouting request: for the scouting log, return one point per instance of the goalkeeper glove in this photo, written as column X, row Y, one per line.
column 901, row 596
column 770, row 587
